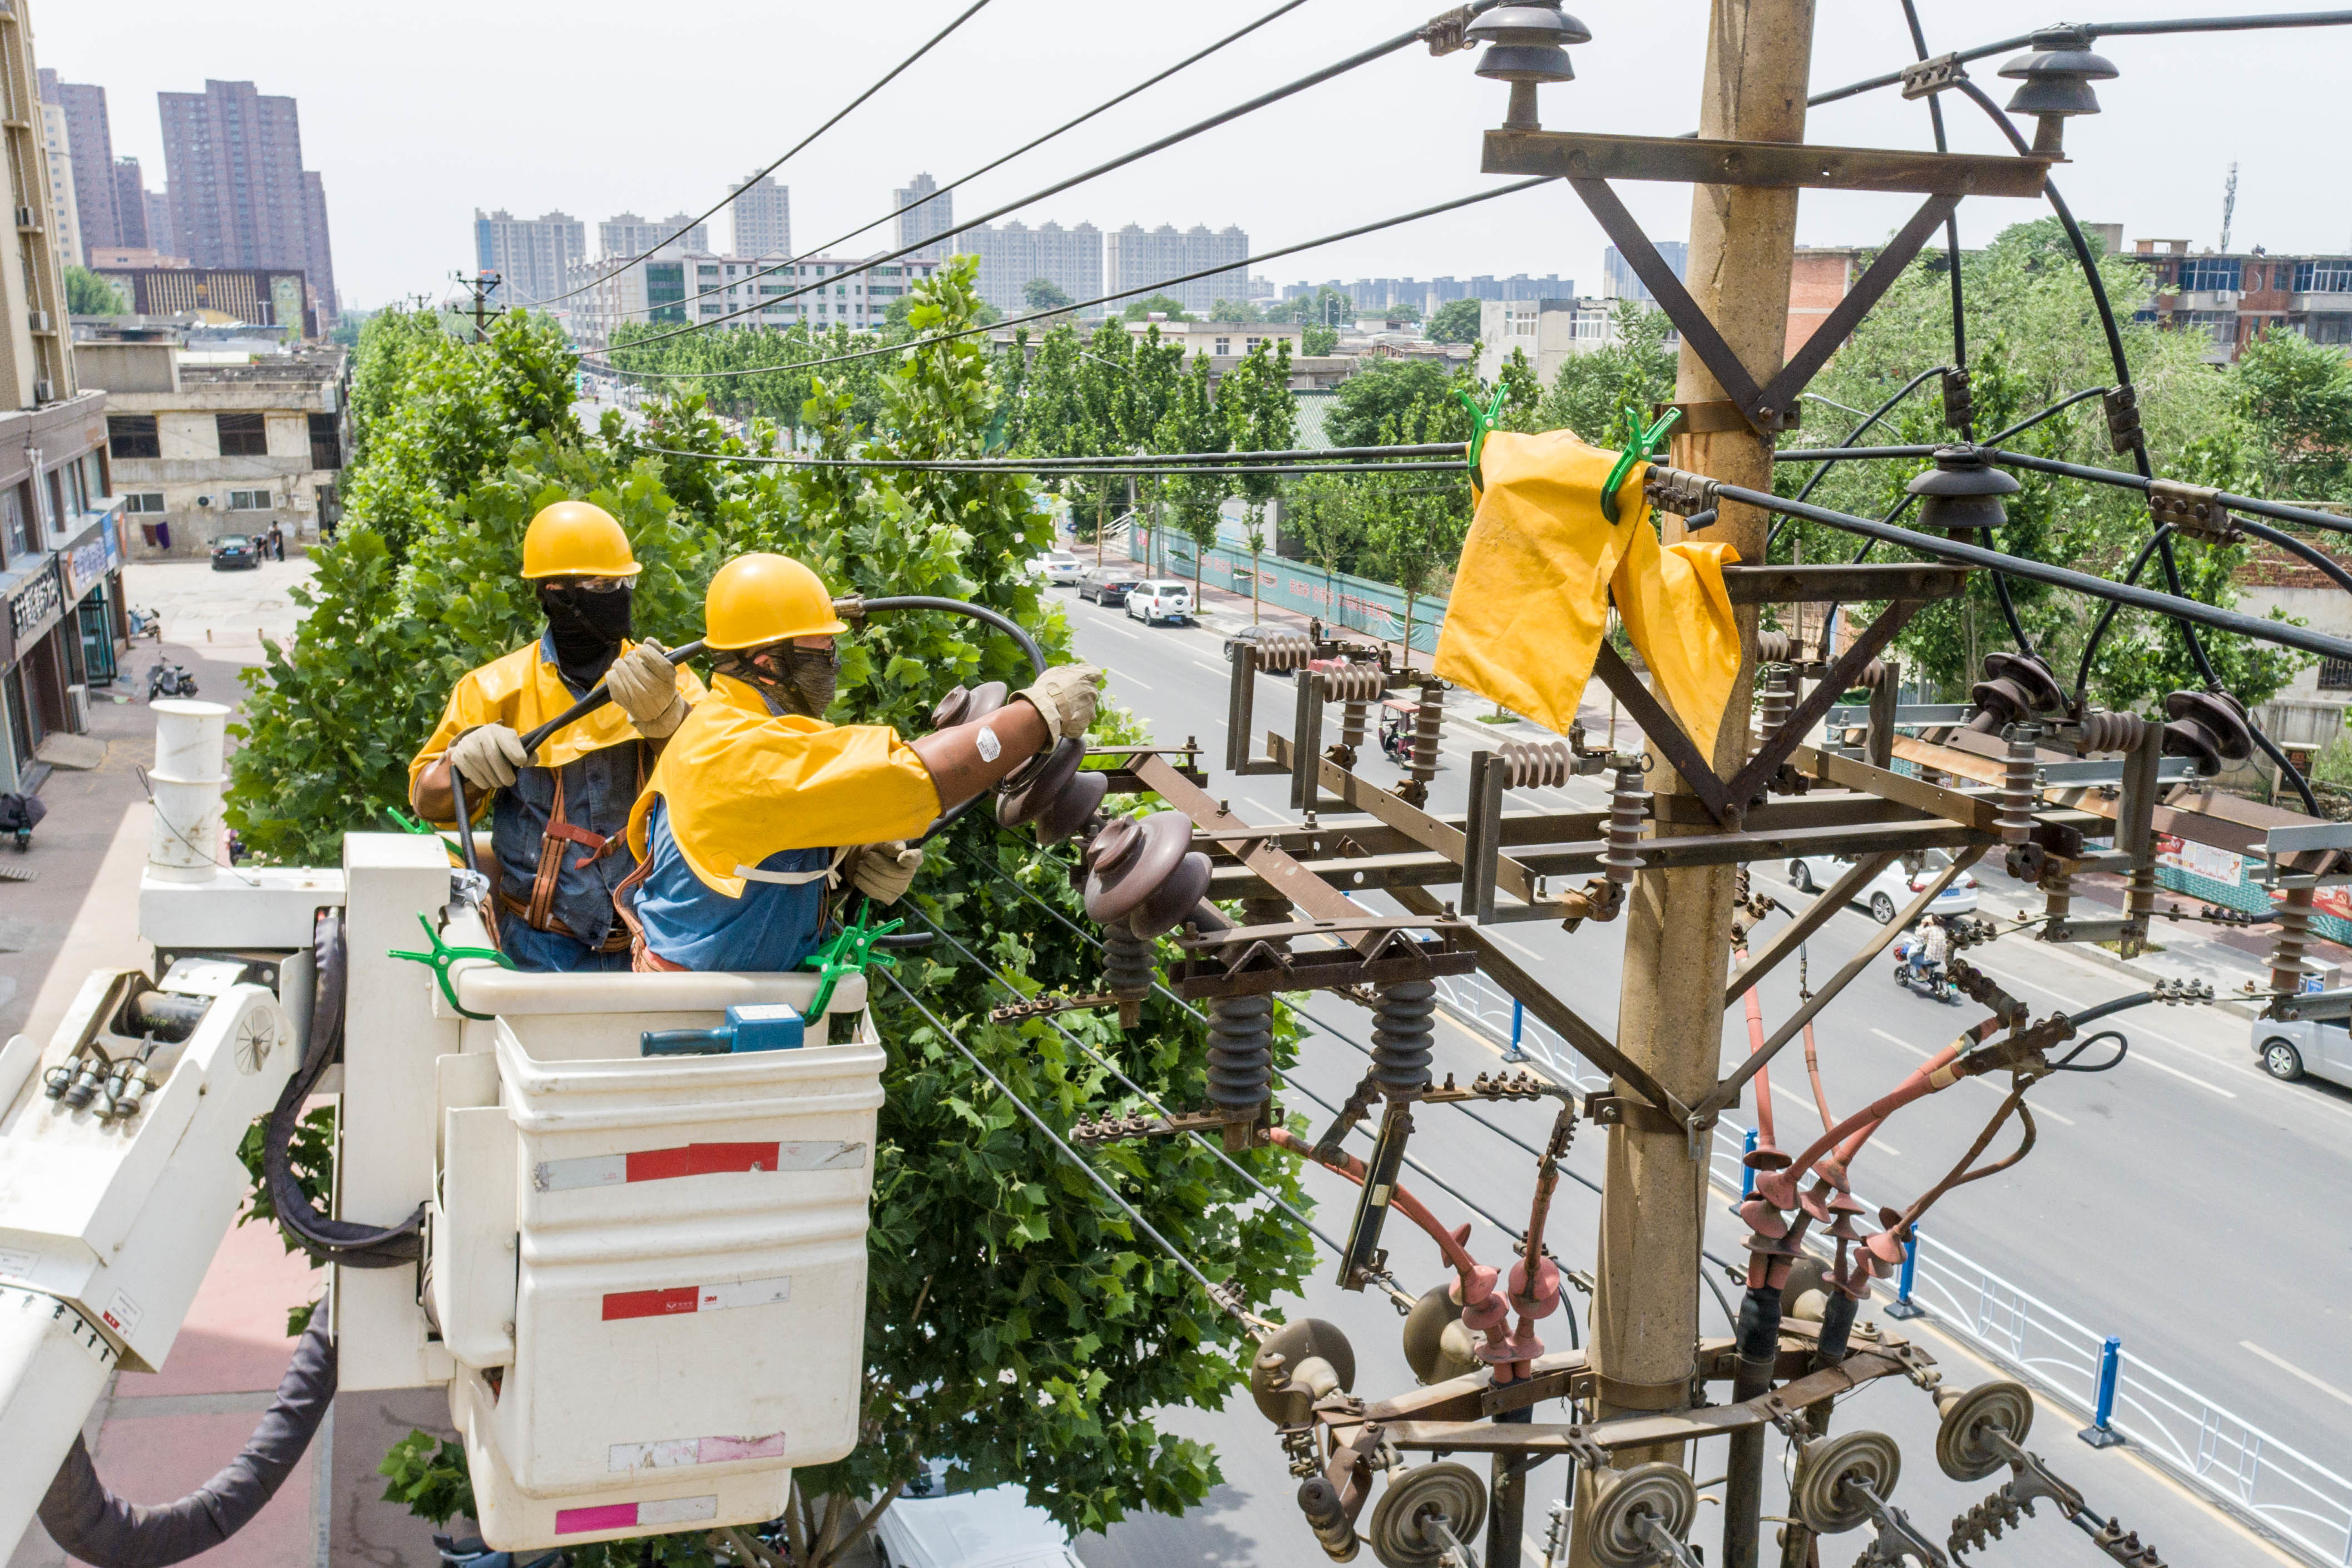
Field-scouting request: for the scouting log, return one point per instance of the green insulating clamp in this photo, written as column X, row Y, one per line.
column 850, row 952
column 407, row 823
column 760, row 1026
column 1641, row 446
column 1481, row 423
column 443, row 955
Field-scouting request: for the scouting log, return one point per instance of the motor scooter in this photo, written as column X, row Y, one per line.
column 1929, row 978
column 165, row 680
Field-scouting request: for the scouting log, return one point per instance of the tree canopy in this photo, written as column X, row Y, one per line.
column 1456, row 321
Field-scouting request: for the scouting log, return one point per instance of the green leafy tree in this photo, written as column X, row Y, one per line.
column 1456, row 321
column 89, row 294
column 1018, row 1329
column 1260, row 414
column 1158, row 305
column 1044, row 293
column 1192, row 424
column 1318, row 340
column 1635, row 368
column 1235, row 310
column 1327, row 307
column 2296, row 396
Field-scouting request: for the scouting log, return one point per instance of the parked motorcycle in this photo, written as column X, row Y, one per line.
column 147, row 623
column 169, row 680
column 19, row 814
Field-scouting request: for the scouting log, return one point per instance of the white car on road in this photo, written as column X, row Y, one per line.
column 931, row 1526
column 1058, row 567
column 1158, row 599
column 1891, row 890
column 2320, row 1047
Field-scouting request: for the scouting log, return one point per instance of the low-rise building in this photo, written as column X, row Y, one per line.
column 260, row 296
column 2233, row 296
column 703, row 288
column 1221, row 339
column 206, row 441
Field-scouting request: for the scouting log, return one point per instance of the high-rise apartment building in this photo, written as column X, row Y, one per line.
column 1136, row 258
column 321, row 267
column 923, row 214
column 232, row 159
column 531, row 256
column 762, row 214
column 129, row 204
column 625, row 235
column 1617, row 280
column 163, row 234
column 91, row 141
column 721, row 291
column 65, row 221
column 1011, row 255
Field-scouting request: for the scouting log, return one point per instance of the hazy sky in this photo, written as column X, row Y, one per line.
column 418, row 115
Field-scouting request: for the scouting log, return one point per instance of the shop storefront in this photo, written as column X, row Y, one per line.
column 64, row 620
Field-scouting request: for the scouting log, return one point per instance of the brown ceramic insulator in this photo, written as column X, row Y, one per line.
column 1428, row 721
column 1350, row 684
column 1351, row 732
column 1165, row 906
column 1774, row 702
column 2016, row 687
column 2209, row 726
column 2019, row 796
column 1129, row 858
column 1036, row 782
column 1775, row 647
column 2112, row 731
column 1534, row 764
column 1764, row 1157
column 1071, row 809
column 961, row 706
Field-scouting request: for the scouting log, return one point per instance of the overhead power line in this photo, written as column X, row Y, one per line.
column 1138, row 470
column 1413, row 216
column 1263, row 99
column 839, row 115
column 1105, row 106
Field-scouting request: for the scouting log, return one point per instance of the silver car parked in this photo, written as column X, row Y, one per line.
column 2323, row 1047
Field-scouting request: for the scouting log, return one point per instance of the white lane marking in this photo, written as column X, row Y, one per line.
column 1120, row 678
column 1532, row 955
column 2039, row 1109
column 1117, row 629
column 2146, row 1060
column 2284, row 1365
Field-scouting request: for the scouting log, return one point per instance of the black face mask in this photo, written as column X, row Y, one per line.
column 793, row 680
column 588, row 629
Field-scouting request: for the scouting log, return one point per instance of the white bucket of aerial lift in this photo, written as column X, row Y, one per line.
column 650, row 1271
column 191, row 748
column 108, row 1223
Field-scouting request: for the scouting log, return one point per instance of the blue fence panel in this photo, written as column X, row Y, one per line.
column 1337, row 598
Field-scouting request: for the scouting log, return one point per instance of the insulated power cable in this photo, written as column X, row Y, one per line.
column 950, row 465
column 1154, row 288
column 839, row 115
column 1104, row 107
column 1832, row 460
column 1139, row 1091
column 1038, row 1122
column 2106, row 29
column 1265, row 99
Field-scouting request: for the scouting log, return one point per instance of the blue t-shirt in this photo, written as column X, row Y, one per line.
column 773, row 926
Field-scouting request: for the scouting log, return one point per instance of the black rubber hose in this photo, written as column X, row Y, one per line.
column 96, row 1526
column 1003, row 623
column 327, row 1240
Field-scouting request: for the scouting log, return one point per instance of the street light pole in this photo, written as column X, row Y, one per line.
column 1678, row 923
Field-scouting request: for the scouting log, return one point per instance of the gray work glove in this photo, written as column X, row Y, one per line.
column 884, row 871
column 643, row 685
column 487, row 756
column 1066, row 694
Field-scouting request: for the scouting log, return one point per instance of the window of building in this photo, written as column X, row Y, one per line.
column 2335, row 674
column 2222, row 326
column 248, row 501
column 242, row 436
column 56, row 498
column 2204, row 272
column 326, row 441
column 710, row 307
column 145, row 502
column 2323, row 277
column 12, row 521
column 132, row 435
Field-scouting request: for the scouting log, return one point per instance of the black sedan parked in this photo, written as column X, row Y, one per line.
column 232, row 551
column 1108, row 587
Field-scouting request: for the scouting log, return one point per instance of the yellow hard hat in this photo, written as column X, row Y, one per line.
column 573, row 539
column 758, row 599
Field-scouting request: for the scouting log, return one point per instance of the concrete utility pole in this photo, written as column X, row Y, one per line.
column 1678, row 923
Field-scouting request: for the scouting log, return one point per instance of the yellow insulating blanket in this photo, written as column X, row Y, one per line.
column 1531, row 600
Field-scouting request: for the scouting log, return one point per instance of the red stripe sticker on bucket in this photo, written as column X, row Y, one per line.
column 691, row 1160
column 635, row 1515
column 685, row 1299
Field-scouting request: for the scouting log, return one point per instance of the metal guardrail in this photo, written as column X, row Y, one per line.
column 2280, row 1491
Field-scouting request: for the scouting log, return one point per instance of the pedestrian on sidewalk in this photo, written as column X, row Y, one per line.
column 277, row 542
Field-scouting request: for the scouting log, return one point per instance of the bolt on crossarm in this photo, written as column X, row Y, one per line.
column 1678, row 922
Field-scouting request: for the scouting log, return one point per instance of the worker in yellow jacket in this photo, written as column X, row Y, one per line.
column 757, row 803
column 557, row 820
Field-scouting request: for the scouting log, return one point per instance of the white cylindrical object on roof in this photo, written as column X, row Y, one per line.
column 191, row 746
